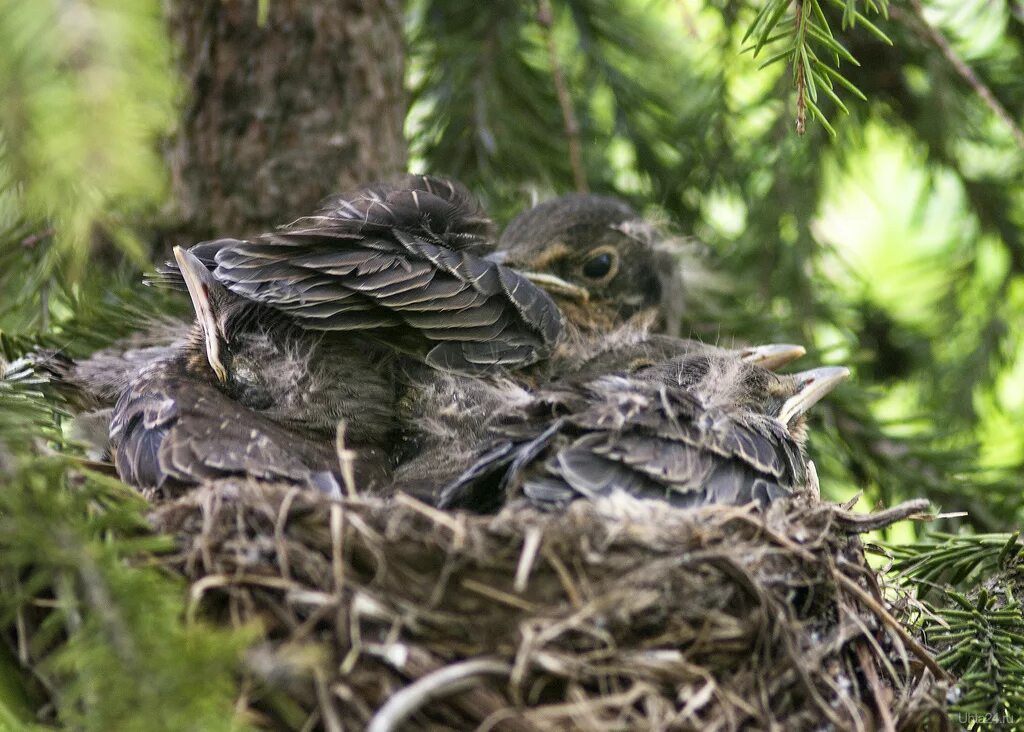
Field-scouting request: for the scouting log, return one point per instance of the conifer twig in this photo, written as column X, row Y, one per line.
column 801, row 80
column 545, row 18
column 936, row 37
column 861, row 523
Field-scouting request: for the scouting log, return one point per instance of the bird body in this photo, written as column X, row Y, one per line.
column 382, row 313
column 251, row 392
column 171, row 429
column 96, row 382
column 446, row 418
column 706, row 427
column 383, row 291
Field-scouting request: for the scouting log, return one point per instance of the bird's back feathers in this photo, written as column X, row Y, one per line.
column 659, row 435
column 169, row 430
column 404, row 261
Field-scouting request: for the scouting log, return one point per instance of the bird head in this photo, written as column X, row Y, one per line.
column 798, row 392
column 216, row 310
column 593, row 254
column 253, row 353
column 723, row 380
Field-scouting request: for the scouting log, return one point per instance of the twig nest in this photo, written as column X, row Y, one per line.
column 622, row 614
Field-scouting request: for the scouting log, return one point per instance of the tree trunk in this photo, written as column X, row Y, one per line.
column 280, row 115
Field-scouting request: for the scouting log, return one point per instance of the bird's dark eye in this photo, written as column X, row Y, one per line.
column 600, row 265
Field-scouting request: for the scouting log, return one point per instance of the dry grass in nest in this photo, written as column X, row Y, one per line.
column 613, row 616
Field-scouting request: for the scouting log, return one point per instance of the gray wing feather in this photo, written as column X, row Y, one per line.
column 407, row 257
column 645, row 438
column 166, row 429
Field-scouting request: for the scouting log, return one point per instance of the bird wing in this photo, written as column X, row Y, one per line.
column 95, row 382
column 659, row 440
column 404, row 261
column 169, row 429
column 646, row 439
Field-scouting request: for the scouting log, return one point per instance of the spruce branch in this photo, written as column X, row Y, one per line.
column 545, row 19
column 91, row 90
column 801, row 79
column 93, row 619
column 803, row 39
column 920, row 25
column 969, row 588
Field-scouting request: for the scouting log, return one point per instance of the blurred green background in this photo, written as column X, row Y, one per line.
column 889, row 237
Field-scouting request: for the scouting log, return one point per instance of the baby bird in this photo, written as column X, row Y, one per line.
column 380, row 312
column 391, row 274
column 252, row 393
column 613, row 282
column 449, row 416
column 594, row 254
column 703, row 428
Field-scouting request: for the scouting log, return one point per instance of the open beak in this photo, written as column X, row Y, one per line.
column 773, row 355
column 557, row 286
column 200, row 284
column 812, row 387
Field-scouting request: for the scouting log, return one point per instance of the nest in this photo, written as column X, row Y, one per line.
column 617, row 615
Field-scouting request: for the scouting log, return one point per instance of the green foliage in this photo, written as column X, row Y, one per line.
column 94, row 622
column 801, row 38
column 472, row 66
column 87, row 88
column 26, row 415
column 103, row 633
column 970, row 591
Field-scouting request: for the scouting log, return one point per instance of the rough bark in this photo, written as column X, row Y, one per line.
column 280, row 115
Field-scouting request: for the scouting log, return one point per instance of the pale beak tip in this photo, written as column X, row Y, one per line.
column 812, row 387
column 837, row 374
column 773, row 355
column 823, row 379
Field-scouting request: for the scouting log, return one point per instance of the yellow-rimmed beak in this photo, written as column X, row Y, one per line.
column 812, row 387
column 772, row 355
column 201, row 286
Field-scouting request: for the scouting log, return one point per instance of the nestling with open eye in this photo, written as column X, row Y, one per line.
column 593, row 254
